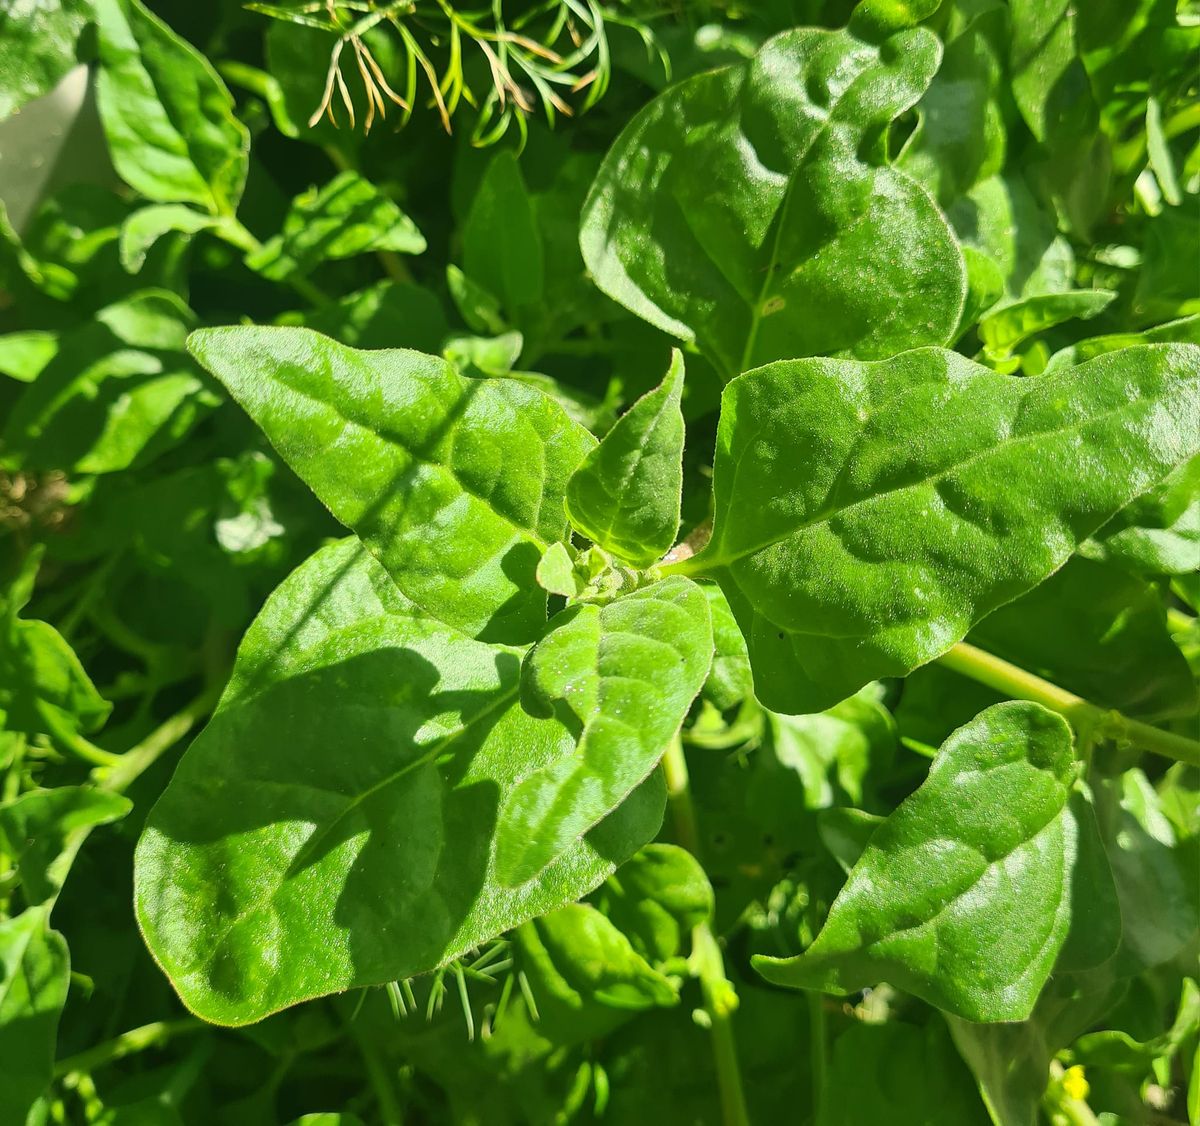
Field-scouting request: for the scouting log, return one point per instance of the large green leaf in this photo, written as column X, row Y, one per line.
column 621, row 677
column 920, row 494
column 626, row 494
column 120, row 390
column 336, row 816
column 37, row 47
column 34, row 973
column 455, row 484
column 750, row 209
column 965, row 894
column 348, row 216
column 172, row 133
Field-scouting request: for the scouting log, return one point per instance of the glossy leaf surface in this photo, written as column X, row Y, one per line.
column 625, row 496
column 169, row 120
column 748, row 208
column 919, row 494
column 455, row 484
column 620, row 677
column 370, row 864
column 964, row 894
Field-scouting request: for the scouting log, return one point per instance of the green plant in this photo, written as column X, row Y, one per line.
column 484, row 634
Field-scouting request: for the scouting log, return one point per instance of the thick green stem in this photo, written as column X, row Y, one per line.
column 1088, row 719
column 135, row 1040
column 720, row 1000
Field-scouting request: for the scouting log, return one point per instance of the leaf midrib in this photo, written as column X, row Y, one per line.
column 825, row 515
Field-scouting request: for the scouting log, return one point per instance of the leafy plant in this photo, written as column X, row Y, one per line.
column 483, row 634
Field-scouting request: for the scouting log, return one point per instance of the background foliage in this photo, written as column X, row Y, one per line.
column 565, row 194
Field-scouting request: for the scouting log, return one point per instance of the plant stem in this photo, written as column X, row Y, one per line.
column 1086, row 717
column 381, row 1085
column 817, row 1036
column 134, row 762
column 135, row 1040
column 720, row 1000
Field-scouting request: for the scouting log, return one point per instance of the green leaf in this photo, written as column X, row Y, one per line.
column 40, row 832
column 921, row 493
column 34, row 971
column 556, row 571
column 43, row 686
column 960, row 136
column 1118, row 1051
column 455, row 484
column 1159, row 533
column 1099, row 633
column 730, row 681
column 899, row 1074
column 1013, row 324
column 23, row 355
column 621, row 677
column 581, row 956
column 335, row 816
column 964, row 895
column 656, row 898
column 37, row 47
column 832, row 752
column 120, row 390
column 626, row 494
column 750, row 209
column 169, row 119
column 347, row 217
column 502, row 248
column 386, row 315
column 1154, row 873
column 148, row 224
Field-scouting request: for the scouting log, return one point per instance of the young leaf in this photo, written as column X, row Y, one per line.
column 335, row 816
column 348, row 216
column 34, row 972
column 964, row 895
column 656, row 898
column 1007, row 327
column 581, row 956
column 455, row 484
column 626, row 494
column 37, row 47
column 169, row 119
column 621, row 677
column 922, row 492
column 750, row 208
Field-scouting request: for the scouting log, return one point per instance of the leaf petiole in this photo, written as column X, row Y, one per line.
column 1088, row 719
